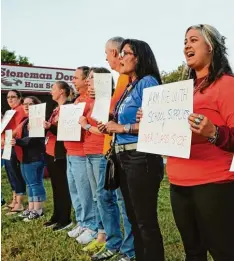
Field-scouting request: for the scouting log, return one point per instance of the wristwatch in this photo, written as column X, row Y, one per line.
column 127, row 128
column 87, row 127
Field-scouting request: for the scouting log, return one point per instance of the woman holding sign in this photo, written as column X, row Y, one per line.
column 12, row 166
column 30, row 152
column 202, row 188
column 140, row 173
column 56, row 163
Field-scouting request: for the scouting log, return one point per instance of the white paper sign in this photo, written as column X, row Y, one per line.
column 7, row 145
column 36, row 120
column 232, row 165
column 103, row 89
column 164, row 128
column 6, row 119
column 68, row 127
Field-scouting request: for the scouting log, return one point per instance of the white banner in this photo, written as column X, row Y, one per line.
column 164, row 128
column 36, row 120
column 7, row 145
column 103, row 89
column 6, row 119
column 26, row 78
column 68, row 127
column 232, row 165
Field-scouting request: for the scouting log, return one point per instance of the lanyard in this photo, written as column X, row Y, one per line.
column 128, row 90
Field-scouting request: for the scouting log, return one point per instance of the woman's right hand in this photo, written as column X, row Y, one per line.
column 47, row 125
column 139, row 115
column 13, row 142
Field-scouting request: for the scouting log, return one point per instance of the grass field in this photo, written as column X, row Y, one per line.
column 31, row 242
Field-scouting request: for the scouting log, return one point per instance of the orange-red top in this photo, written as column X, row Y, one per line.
column 93, row 143
column 17, row 118
column 15, row 121
column 207, row 163
column 75, row 148
column 50, row 137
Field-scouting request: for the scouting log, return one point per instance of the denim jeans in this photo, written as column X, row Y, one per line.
column 110, row 216
column 33, row 175
column 93, row 164
column 80, row 191
column 14, row 174
column 127, row 246
column 140, row 177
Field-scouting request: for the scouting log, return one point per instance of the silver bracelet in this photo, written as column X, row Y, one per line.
column 214, row 139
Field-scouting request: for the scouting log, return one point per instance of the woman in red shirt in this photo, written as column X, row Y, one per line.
column 202, row 187
column 57, row 164
column 12, row 166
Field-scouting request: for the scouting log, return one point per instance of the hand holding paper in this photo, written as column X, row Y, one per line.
column 36, row 120
column 164, row 127
column 7, row 145
column 103, row 88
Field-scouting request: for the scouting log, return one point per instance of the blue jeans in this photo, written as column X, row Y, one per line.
column 110, row 216
column 33, row 175
column 93, row 163
column 80, row 191
column 14, row 174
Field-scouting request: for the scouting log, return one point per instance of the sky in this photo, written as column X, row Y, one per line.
column 72, row 33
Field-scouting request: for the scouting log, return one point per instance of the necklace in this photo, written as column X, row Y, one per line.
column 196, row 89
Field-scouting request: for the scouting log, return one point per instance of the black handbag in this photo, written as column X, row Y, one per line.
column 112, row 177
column 112, row 181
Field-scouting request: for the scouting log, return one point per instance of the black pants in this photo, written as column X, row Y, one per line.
column 61, row 196
column 140, row 177
column 204, row 215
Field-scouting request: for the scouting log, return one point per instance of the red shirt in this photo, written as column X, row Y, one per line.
column 75, row 148
column 208, row 163
column 50, row 137
column 93, row 143
column 17, row 118
column 15, row 121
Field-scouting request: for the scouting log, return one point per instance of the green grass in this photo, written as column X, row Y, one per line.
column 31, row 242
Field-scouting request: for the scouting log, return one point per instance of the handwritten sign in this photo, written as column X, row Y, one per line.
column 164, row 128
column 7, row 145
column 36, row 120
column 6, row 119
column 68, row 127
column 232, row 165
column 103, row 88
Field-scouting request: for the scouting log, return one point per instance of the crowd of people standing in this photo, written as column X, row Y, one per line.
column 201, row 187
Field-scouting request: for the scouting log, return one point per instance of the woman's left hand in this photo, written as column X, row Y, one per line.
column 200, row 124
column 114, row 127
column 83, row 121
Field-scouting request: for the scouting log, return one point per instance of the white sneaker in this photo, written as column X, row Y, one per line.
column 86, row 237
column 76, row 231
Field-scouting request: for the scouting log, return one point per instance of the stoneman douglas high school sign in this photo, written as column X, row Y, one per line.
column 33, row 78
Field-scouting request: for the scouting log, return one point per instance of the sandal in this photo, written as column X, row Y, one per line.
column 14, row 211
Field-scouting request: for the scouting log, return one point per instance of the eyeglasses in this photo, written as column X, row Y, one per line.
column 124, row 53
column 11, row 97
